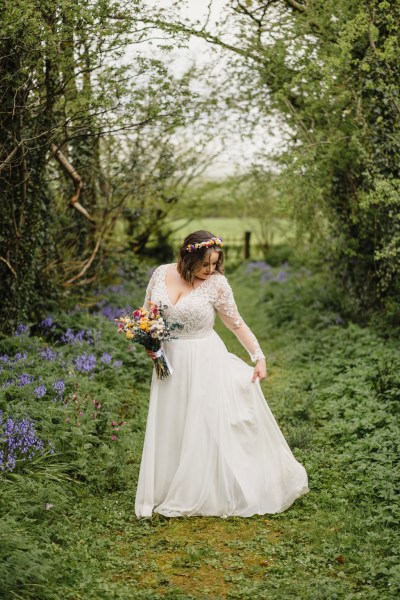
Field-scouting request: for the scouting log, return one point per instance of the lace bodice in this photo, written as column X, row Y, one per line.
column 197, row 310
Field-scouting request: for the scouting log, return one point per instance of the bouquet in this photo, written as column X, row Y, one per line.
column 148, row 328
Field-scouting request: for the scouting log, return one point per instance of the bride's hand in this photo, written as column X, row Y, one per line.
column 260, row 370
column 150, row 353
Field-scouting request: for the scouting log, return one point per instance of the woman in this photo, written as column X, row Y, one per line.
column 212, row 446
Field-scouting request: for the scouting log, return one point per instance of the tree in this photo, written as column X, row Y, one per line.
column 66, row 86
column 330, row 71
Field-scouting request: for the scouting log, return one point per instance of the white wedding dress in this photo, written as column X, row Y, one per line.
column 212, row 446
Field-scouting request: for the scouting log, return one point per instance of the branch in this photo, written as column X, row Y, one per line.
column 297, row 5
column 77, row 180
column 10, row 156
column 9, row 266
column 205, row 35
column 86, row 265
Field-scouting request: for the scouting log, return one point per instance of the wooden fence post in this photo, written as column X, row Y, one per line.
column 247, row 235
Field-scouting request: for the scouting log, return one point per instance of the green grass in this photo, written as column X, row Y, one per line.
column 334, row 389
column 232, row 231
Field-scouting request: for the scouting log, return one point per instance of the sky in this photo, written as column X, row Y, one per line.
column 235, row 152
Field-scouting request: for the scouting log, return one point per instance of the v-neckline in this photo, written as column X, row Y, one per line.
column 180, row 297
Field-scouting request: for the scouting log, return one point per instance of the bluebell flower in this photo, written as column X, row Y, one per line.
column 281, row 277
column 24, row 379
column 22, row 329
column 40, row 391
column 48, row 354
column 20, row 356
column 4, row 358
column 47, row 323
column 59, row 386
column 106, row 358
column 18, row 441
column 7, row 382
column 68, row 337
column 117, row 364
column 85, row 363
column 80, row 335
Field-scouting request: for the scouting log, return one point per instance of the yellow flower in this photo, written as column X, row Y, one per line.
column 130, row 335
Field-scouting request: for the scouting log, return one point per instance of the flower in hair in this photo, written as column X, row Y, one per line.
column 214, row 241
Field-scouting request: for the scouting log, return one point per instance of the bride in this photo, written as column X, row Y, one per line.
column 212, row 446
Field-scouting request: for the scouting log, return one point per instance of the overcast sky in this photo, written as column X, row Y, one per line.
column 235, row 152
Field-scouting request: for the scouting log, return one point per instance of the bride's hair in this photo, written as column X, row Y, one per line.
column 189, row 262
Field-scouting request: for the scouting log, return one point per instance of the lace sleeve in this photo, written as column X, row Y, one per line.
column 149, row 289
column 227, row 310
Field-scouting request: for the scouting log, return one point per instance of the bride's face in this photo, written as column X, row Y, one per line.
column 208, row 266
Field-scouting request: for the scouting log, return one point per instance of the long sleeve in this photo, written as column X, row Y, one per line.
column 227, row 310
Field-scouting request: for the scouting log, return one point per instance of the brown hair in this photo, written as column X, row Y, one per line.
column 189, row 262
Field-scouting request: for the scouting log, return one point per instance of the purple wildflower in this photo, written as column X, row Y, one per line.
column 7, row 383
column 258, row 265
column 24, row 379
column 18, row 441
column 106, row 358
column 20, row 356
column 59, row 386
column 48, row 354
column 40, row 391
column 85, row 363
column 80, row 335
column 281, row 277
column 68, row 337
column 110, row 312
column 4, row 358
column 117, row 364
column 22, row 329
column 47, row 323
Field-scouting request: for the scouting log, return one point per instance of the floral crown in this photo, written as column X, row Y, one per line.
column 214, row 241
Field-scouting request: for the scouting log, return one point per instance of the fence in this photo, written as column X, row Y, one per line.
column 236, row 248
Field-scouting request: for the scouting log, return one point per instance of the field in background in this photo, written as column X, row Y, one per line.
column 232, row 231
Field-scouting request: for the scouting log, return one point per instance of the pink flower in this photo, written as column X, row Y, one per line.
column 114, row 437
column 114, row 423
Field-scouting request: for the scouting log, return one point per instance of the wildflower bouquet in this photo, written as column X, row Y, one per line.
column 148, row 328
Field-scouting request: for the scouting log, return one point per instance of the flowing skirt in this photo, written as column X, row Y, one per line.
column 212, row 446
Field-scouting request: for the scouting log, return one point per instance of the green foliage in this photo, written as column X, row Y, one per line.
column 340, row 97
column 67, row 525
column 328, row 73
column 64, row 67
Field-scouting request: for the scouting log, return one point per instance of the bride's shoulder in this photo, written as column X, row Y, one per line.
column 219, row 280
column 161, row 268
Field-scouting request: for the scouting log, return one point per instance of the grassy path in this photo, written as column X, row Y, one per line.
column 329, row 544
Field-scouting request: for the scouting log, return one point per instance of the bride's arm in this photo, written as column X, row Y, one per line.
column 226, row 308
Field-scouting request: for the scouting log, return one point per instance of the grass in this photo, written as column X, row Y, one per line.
column 232, row 230
column 334, row 389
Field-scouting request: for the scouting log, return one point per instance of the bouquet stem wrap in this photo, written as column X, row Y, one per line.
column 162, row 365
